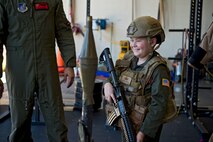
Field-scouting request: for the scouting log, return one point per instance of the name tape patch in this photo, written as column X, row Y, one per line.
column 41, row 6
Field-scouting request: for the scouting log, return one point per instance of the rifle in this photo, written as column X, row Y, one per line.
column 125, row 121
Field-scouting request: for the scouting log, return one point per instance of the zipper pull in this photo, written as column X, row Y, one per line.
column 32, row 6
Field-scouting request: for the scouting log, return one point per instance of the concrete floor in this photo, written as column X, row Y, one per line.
column 179, row 130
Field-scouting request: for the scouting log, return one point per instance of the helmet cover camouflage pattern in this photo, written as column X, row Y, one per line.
column 146, row 26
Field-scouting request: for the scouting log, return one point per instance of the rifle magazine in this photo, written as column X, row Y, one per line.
column 112, row 114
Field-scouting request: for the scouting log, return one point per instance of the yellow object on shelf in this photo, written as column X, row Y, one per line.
column 125, row 47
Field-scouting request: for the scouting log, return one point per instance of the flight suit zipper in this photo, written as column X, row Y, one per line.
column 33, row 34
column 34, row 40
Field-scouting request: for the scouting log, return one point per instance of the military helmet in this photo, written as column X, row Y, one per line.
column 146, row 26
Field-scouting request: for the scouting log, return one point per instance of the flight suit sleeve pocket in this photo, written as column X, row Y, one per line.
column 13, row 48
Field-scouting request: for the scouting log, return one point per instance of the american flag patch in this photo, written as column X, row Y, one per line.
column 165, row 82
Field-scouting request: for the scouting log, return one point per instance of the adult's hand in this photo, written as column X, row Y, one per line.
column 109, row 92
column 69, row 76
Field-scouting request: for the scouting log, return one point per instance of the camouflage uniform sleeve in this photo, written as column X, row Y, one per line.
column 207, row 45
column 159, row 93
column 2, row 34
column 64, row 36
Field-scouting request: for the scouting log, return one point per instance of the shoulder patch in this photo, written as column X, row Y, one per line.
column 165, row 82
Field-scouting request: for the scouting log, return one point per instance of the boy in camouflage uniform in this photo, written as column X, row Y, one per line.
column 145, row 77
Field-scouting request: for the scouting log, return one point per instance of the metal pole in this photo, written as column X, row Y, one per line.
column 190, row 50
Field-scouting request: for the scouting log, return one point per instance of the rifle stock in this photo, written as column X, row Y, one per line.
column 125, row 121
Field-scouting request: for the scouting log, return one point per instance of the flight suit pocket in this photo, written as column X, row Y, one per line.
column 13, row 48
column 15, row 54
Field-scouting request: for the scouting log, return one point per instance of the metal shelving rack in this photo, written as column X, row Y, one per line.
column 192, row 80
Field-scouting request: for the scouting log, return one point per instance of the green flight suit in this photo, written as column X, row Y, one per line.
column 28, row 29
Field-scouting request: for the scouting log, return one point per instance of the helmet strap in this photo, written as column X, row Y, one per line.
column 157, row 46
